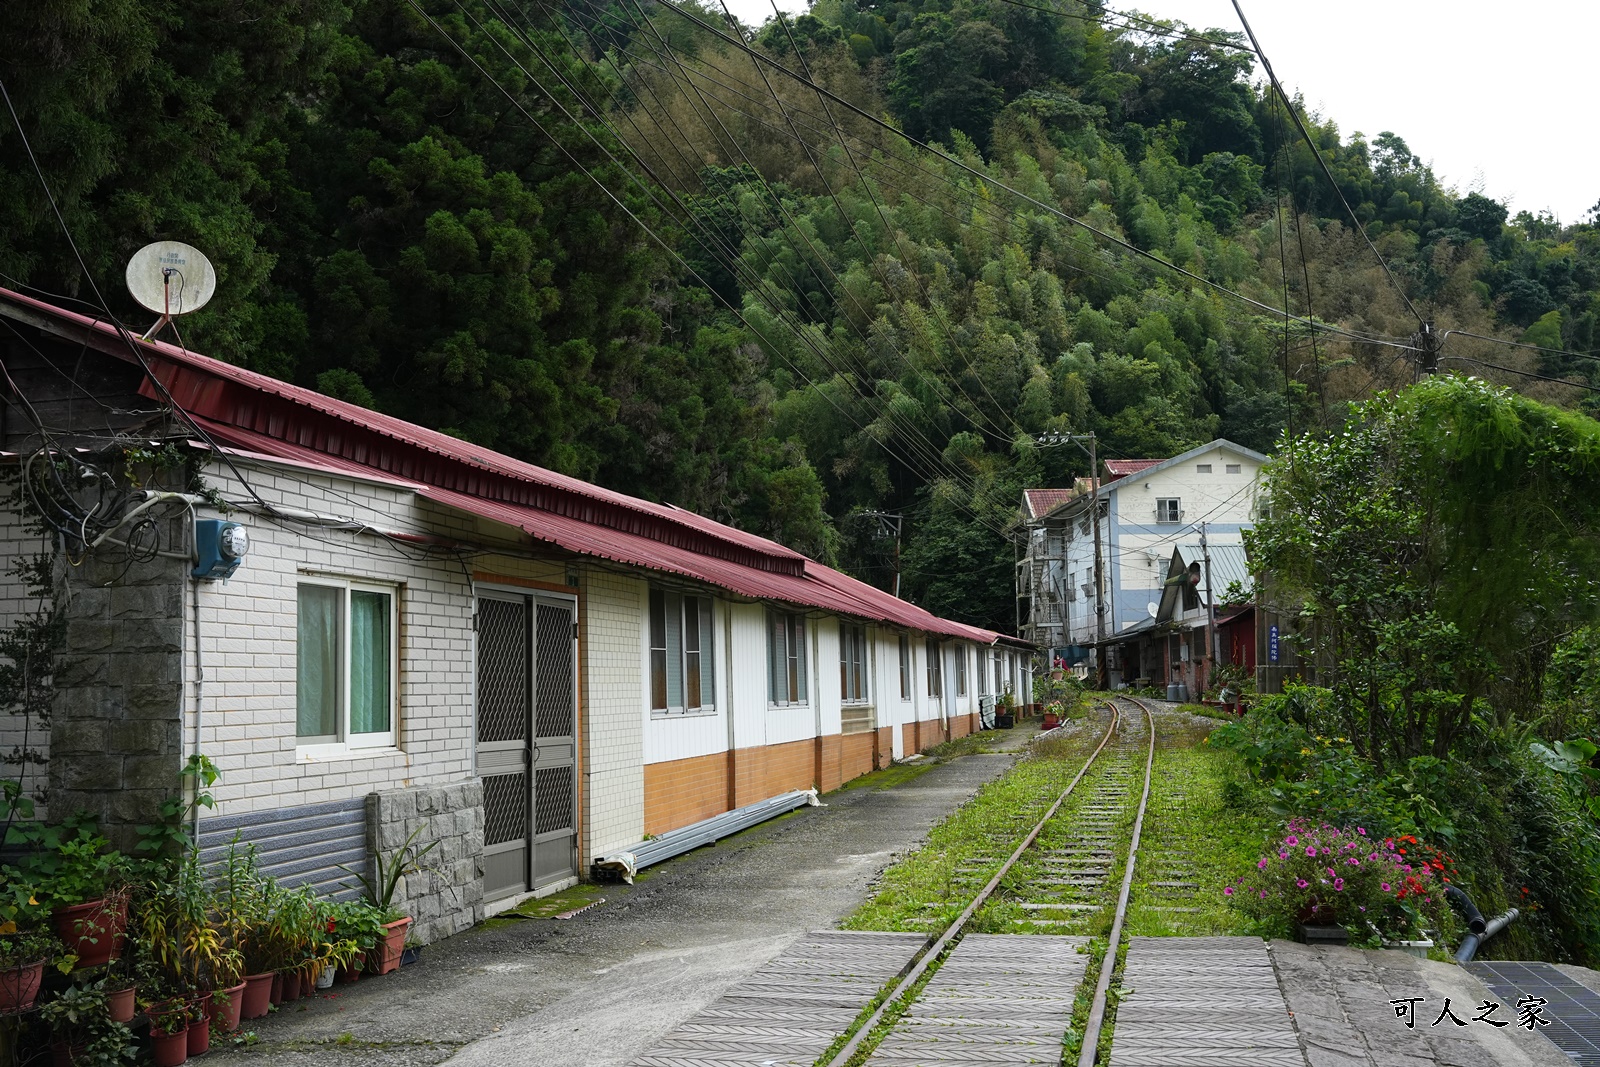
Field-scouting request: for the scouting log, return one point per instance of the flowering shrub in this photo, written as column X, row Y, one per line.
column 1320, row 873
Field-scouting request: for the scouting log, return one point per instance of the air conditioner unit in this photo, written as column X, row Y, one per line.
column 1088, row 591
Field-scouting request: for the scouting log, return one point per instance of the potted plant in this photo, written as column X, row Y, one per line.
column 23, row 956
column 84, row 882
column 82, row 1029
column 245, row 900
column 1005, row 716
column 380, row 889
column 169, row 1032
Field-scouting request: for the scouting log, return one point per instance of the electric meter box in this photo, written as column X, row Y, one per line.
column 219, row 547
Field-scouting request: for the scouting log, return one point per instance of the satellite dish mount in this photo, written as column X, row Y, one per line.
column 171, row 279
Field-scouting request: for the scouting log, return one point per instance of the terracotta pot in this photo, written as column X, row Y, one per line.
column 393, row 944
column 225, row 1016
column 120, row 1005
column 349, row 974
column 257, row 996
column 199, row 1037
column 93, row 930
column 1051, row 721
column 169, row 1050
column 19, row 987
column 308, row 979
column 291, row 984
column 277, row 988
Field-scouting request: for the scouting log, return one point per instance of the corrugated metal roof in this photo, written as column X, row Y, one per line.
column 1121, row 468
column 256, row 416
column 1228, row 565
column 381, row 444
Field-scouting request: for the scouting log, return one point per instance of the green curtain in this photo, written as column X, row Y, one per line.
column 370, row 672
column 317, row 662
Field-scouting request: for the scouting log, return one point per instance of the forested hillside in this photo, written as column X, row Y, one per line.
column 607, row 238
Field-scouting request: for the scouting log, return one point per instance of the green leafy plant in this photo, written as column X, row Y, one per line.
column 78, row 1016
column 379, row 888
column 168, row 838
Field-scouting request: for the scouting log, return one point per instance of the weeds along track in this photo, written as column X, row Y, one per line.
column 1065, row 870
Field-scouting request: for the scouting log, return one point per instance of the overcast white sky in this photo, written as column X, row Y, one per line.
column 1502, row 95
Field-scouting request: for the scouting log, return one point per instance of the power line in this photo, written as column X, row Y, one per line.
column 1525, row 373
column 1266, row 65
column 633, row 216
column 1595, row 355
column 968, row 168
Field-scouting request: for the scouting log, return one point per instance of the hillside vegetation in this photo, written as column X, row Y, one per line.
column 604, row 238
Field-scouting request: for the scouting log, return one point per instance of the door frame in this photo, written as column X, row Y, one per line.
column 507, row 589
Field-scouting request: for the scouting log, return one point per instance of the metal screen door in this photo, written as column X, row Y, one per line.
column 527, row 707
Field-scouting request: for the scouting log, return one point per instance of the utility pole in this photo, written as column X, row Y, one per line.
column 889, row 525
column 1427, row 341
column 1212, row 645
column 1101, row 678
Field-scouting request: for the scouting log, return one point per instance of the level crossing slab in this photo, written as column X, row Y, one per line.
column 997, row 1000
column 1202, row 1002
column 793, row 1007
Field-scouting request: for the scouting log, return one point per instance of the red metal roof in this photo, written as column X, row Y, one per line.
column 1121, row 468
column 1044, row 501
column 258, row 416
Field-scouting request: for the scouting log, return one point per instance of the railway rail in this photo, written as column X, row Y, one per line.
column 975, row 992
column 1057, row 888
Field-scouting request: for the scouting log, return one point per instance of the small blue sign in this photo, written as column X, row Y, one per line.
column 1272, row 644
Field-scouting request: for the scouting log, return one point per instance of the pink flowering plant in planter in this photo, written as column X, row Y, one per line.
column 1321, row 874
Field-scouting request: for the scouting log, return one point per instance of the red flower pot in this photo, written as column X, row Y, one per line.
column 291, row 984
column 19, row 987
column 120, row 1005
column 93, row 930
column 277, row 988
column 257, row 996
column 169, row 1050
column 349, row 974
column 225, row 1016
column 393, row 944
column 199, row 1038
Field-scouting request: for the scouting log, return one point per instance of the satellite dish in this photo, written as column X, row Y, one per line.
column 171, row 278
column 1153, row 608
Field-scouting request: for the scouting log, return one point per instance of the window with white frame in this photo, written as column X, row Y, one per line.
column 1202, row 468
column 905, row 667
column 935, row 670
column 786, row 657
column 961, row 670
column 1168, row 509
column 983, row 673
column 346, row 664
column 855, row 714
column 683, row 677
column 853, row 663
column 1232, row 468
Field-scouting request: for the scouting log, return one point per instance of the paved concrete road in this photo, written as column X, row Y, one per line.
column 598, row 989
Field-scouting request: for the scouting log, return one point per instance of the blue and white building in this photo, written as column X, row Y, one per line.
column 1160, row 522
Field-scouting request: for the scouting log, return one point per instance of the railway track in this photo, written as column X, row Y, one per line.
column 1059, row 875
column 971, row 991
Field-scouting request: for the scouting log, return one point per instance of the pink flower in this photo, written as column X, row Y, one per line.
column 1362, row 831
column 1291, row 840
column 1326, row 851
column 1338, row 884
column 1227, row 891
column 1331, row 872
column 1353, row 861
column 1283, row 855
column 1263, row 894
column 1301, row 883
column 1262, row 863
column 1385, row 886
column 1311, row 850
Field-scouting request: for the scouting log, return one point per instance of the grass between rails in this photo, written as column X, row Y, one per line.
column 1191, row 835
column 931, row 886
